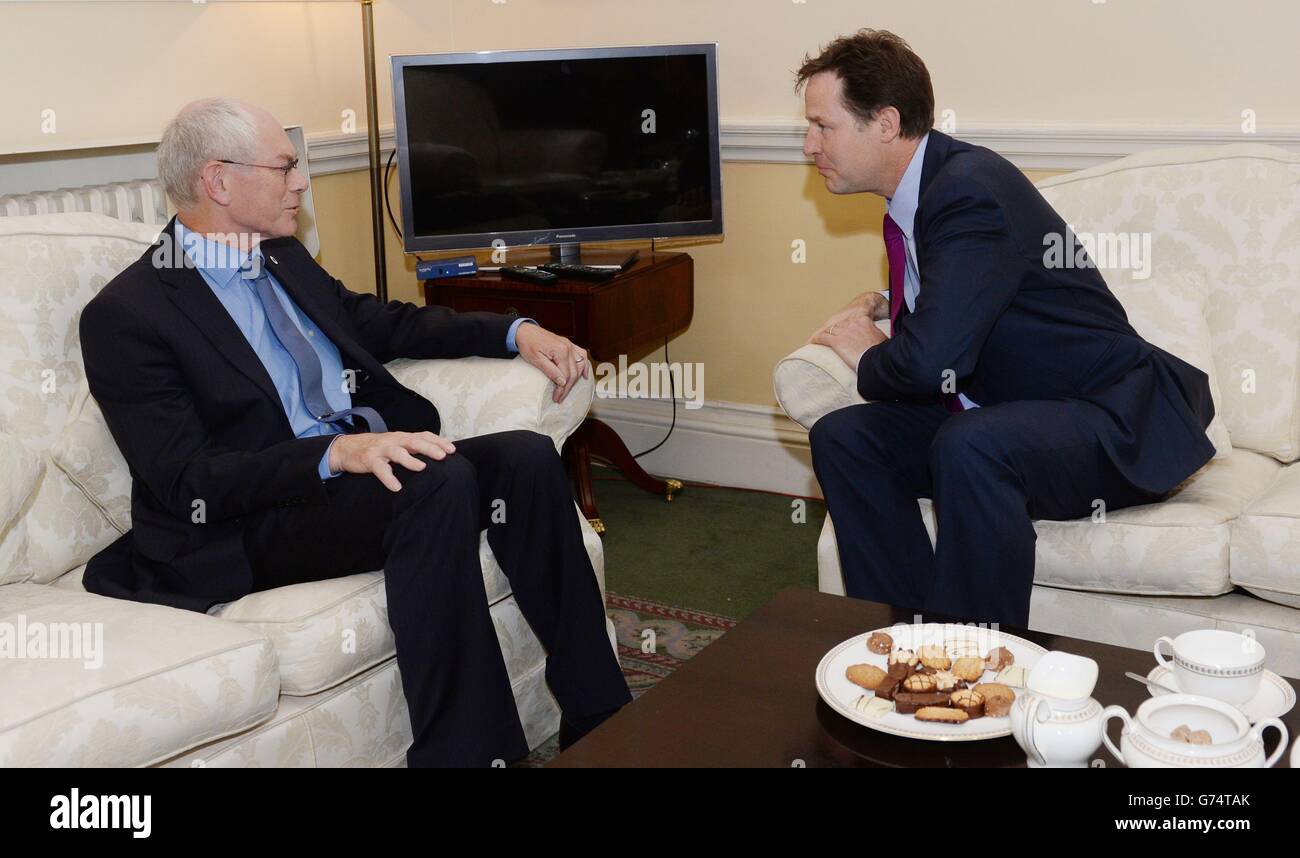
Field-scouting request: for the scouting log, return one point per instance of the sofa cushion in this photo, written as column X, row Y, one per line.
column 1266, row 542
column 328, row 631
column 145, row 684
column 1222, row 220
column 1179, row 546
column 324, row 631
column 50, row 266
column 60, row 528
column 88, row 456
column 1170, row 314
column 20, row 472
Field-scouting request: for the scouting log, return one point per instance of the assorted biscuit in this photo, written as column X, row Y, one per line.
column 940, row 684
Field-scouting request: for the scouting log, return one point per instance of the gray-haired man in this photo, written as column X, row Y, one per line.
column 218, row 367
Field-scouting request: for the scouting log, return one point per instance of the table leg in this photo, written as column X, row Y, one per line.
column 594, row 439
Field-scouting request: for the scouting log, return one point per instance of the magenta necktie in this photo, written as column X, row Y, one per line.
column 897, row 255
column 896, row 252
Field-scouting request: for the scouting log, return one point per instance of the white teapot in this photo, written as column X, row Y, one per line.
column 1146, row 740
column 1055, row 720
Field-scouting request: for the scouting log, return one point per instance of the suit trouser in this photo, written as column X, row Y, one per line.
column 426, row 539
column 989, row 471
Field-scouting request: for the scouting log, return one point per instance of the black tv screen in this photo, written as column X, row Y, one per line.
column 557, row 146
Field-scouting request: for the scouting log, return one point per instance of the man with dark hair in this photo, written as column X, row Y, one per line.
column 1006, row 391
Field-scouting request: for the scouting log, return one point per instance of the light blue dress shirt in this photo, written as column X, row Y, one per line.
column 902, row 208
column 220, row 265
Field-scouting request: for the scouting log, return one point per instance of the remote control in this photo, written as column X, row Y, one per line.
column 578, row 272
column 532, row 275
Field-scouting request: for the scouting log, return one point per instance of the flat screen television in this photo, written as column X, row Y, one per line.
column 557, row 147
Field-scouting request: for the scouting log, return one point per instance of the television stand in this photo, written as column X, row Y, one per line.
column 632, row 313
column 573, row 254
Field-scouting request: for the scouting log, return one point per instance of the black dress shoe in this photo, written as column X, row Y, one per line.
column 571, row 730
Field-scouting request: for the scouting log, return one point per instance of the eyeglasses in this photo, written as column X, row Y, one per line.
column 285, row 169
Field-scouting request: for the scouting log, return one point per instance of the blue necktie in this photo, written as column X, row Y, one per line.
column 309, row 369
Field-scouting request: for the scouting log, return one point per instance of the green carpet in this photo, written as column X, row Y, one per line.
column 724, row 551
column 696, row 566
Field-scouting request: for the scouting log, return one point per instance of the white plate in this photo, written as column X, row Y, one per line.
column 840, row 694
column 1274, row 699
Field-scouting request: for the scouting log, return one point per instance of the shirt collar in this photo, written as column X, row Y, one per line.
column 902, row 205
column 222, row 263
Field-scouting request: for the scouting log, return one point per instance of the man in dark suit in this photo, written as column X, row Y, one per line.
column 1009, row 389
column 268, row 446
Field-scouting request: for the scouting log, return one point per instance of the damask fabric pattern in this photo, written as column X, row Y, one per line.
column 1266, row 542
column 20, row 471
column 479, row 396
column 68, row 492
column 1225, row 227
column 327, row 631
column 364, row 721
column 123, row 684
column 50, row 266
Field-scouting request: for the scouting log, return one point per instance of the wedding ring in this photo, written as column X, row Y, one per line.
column 579, row 359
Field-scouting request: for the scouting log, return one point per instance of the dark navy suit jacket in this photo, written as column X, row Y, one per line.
column 197, row 417
column 1011, row 328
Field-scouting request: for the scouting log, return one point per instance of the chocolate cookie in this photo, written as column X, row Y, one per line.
column 997, row 698
column 880, row 643
column 907, row 702
column 970, row 702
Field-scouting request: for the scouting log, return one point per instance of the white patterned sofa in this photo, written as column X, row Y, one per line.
column 1223, row 293
column 300, row 676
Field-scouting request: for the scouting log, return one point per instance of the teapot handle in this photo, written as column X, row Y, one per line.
column 1258, row 733
column 1114, row 712
column 1033, row 704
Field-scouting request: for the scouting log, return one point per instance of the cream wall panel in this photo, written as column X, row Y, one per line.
column 117, row 70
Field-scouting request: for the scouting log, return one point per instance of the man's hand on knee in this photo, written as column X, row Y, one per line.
column 374, row 453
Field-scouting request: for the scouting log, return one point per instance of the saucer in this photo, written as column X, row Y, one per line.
column 1273, row 700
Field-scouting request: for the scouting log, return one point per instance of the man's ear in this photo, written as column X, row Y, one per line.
column 214, row 177
column 889, row 120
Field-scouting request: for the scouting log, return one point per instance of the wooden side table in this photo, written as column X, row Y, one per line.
column 629, row 314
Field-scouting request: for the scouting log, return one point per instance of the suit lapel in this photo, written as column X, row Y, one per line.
column 193, row 297
column 352, row 351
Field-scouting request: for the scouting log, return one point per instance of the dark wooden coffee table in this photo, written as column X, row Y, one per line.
column 749, row 700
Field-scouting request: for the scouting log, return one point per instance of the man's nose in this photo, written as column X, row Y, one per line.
column 297, row 181
column 809, row 148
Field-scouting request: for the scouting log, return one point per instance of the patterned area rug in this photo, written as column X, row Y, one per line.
column 653, row 641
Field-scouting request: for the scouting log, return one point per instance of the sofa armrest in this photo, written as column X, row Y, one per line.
column 478, row 396
column 812, row 381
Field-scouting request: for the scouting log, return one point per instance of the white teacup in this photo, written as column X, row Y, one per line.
column 1224, row 665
